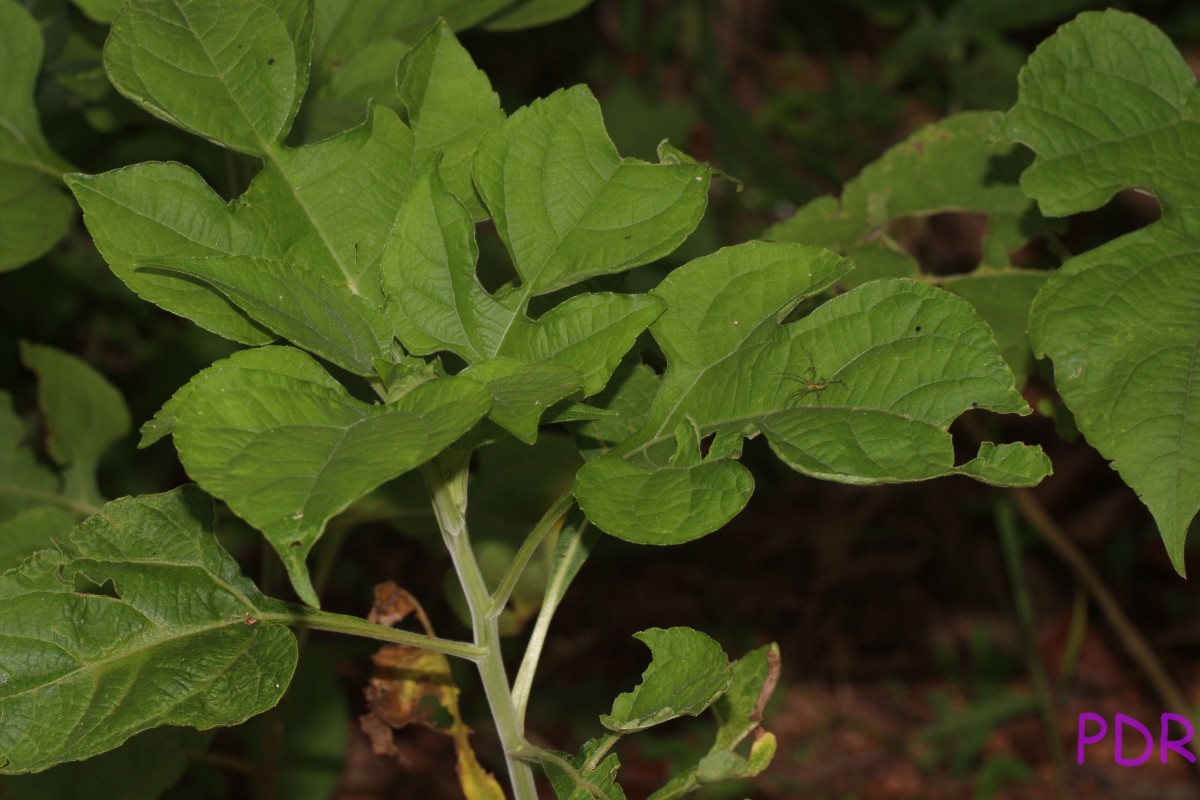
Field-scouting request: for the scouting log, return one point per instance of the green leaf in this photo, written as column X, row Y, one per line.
column 304, row 308
column 450, row 106
column 950, row 165
column 688, row 671
column 345, row 26
column 181, row 621
column 84, row 412
column 738, row 714
column 1107, row 103
column 861, row 390
column 531, row 13
column 670, row 505
column 24, row 484
column 522, row 393
column 568, row 207
column 1003, row 299
column 144, row 768
column 327, row 207
column 946, row 166
column 273, row 435
column 34, row 212
column 233, row 71
column 435, row 302
column 627, row 399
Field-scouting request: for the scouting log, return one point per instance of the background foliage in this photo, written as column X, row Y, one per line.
column 801, row 105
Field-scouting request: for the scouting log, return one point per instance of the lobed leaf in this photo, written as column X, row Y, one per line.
column 273, row 435
column 861, row 390
column 950, row 165
column 1106, row 104
column 34, row 212
column 181, row 622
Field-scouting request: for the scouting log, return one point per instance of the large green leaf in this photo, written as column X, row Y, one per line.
column 177, row 641
column 235, row 72
column 950, row 165
column 34, row 211
column 450, row 106
column 273, row 435
column 861, row 390
column 1107, row 103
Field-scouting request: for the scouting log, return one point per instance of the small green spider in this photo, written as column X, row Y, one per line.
column 811, row 383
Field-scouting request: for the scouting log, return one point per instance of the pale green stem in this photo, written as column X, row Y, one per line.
column 304, row 617
column 448, row 493
column 555, row 589
column 534, row 540
column 601, row 751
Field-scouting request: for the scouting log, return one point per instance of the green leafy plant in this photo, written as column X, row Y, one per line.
column 374, row 350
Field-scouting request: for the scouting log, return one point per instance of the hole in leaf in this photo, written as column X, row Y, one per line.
column 296, row 543
column 87, row 586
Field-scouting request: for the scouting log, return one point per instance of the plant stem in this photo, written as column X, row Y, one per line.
column 447, row 485
column 549, row 520
column 1006, row 523
column 304, row 617
column 561, row 574
column 1135, row 644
